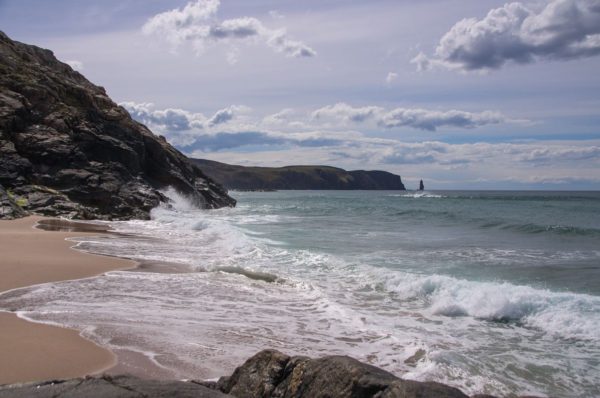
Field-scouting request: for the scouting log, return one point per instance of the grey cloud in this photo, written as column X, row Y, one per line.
column 239, row 28
column 417, row 153
column 431, row 120
column 168, row 119
column 171, row 119
column 422, row 119
column 563, row 29
column 346, row 112
column 292, row 48
column 221, row 116
column 547, row 155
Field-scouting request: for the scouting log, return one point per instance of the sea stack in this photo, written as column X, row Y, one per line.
column 421, row 186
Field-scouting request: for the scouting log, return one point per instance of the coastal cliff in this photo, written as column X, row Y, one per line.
column 298, row 177
column 67, row 149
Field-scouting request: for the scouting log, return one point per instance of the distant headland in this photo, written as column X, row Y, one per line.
column 297, row 177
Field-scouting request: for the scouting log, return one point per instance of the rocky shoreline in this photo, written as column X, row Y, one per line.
column 268, row 374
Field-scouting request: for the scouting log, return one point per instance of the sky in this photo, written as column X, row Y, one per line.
column 469, row 94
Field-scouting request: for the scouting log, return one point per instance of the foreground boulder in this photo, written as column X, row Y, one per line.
column 67, row 149
column 110, row 387
column 273, row 374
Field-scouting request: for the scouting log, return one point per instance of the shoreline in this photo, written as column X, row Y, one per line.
column 34, row 351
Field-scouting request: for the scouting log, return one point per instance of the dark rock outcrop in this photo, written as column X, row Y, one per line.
column 67, row 149
column 110, row 387
column 273, row 374
column 297, row 177
column 9, row 208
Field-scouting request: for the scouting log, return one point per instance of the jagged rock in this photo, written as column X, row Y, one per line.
column 9, row 209
column 110, row 387
column 271, row 374
column 67, row 149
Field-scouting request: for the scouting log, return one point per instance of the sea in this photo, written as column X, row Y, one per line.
column 490, row 291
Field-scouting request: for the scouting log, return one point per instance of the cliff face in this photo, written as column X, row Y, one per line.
column 298, row 177
column 67, row 149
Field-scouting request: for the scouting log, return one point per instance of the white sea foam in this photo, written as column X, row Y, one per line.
column 566, row 315
column 417, row 195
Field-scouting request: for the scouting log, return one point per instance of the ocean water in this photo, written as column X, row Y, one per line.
column 492, row 292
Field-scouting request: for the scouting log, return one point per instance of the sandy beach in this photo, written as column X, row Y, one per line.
column 32, row 351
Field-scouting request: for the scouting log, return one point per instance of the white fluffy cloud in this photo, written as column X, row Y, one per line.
column 196, row 23
column 561, row 29
column 422, row 119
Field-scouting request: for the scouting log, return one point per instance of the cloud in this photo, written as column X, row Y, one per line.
column 561, row 30
column 173, row 119
column 276, row 14
column 391, row 77
column 165, row 119
column 339, row 119
column 345, row 112
column 227, row 114
column 76, row 65
column 422, row 119
column 279, row 118
column 552, row 155
column 196, row 23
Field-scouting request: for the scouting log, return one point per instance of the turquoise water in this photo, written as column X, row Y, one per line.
column 493, row 292
column 543, row 239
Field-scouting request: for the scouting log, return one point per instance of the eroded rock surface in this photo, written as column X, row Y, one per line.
column 110, row 387
column 67, row 149
column 271, row 374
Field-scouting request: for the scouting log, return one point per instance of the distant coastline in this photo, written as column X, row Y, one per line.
column 317, row 177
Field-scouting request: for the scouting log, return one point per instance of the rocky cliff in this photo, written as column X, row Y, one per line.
column 67, row 149
column 297, row 177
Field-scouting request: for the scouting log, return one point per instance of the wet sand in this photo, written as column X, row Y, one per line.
column 28, row 256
